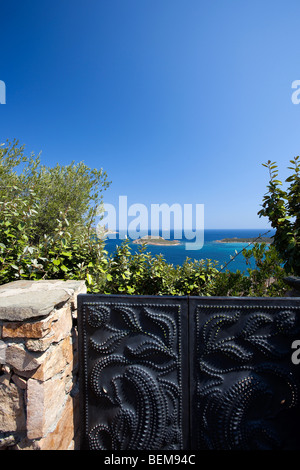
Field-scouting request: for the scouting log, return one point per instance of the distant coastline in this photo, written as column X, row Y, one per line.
column 177, row 253
column 156, row 240
column 267, row 240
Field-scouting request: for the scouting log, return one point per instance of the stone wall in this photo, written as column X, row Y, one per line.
column 39, row 407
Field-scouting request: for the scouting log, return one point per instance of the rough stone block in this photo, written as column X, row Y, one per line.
column 3, row 347
column 30, row 329
column 22, row 300
column 62, row 438
column 18, row 358
column 12, row 410
column 19, row 381
column 44, row 403
column 61, row 328
column 54, row 360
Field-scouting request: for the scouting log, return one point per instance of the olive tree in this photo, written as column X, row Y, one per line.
column 74, row 190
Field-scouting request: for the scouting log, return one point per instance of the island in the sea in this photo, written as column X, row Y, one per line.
column 247, row 240
column 155, row 240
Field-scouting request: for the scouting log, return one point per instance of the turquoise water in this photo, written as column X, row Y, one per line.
column 213, row 250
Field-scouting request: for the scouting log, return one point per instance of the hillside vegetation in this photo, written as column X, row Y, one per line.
column 46, row 232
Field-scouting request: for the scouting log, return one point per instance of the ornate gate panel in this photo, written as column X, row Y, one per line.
column 134, row 364
column 244, row 387
column 180, row 373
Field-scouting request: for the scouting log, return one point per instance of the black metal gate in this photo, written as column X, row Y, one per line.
column 188, row 373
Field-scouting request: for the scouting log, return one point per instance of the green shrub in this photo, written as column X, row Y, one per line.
column 265, row 270
column 43, row 237
column 82, row 256
column 282, row 208
column 18, row 256
column 55, row 256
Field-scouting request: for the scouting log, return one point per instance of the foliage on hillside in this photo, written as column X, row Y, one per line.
column 33, row 247
column 62, row 256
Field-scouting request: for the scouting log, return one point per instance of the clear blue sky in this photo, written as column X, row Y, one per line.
column 179, row 101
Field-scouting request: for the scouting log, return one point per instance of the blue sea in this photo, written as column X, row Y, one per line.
column 212, row 249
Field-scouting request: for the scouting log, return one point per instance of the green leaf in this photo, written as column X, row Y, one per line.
column 56, row 262
column 66, row 253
